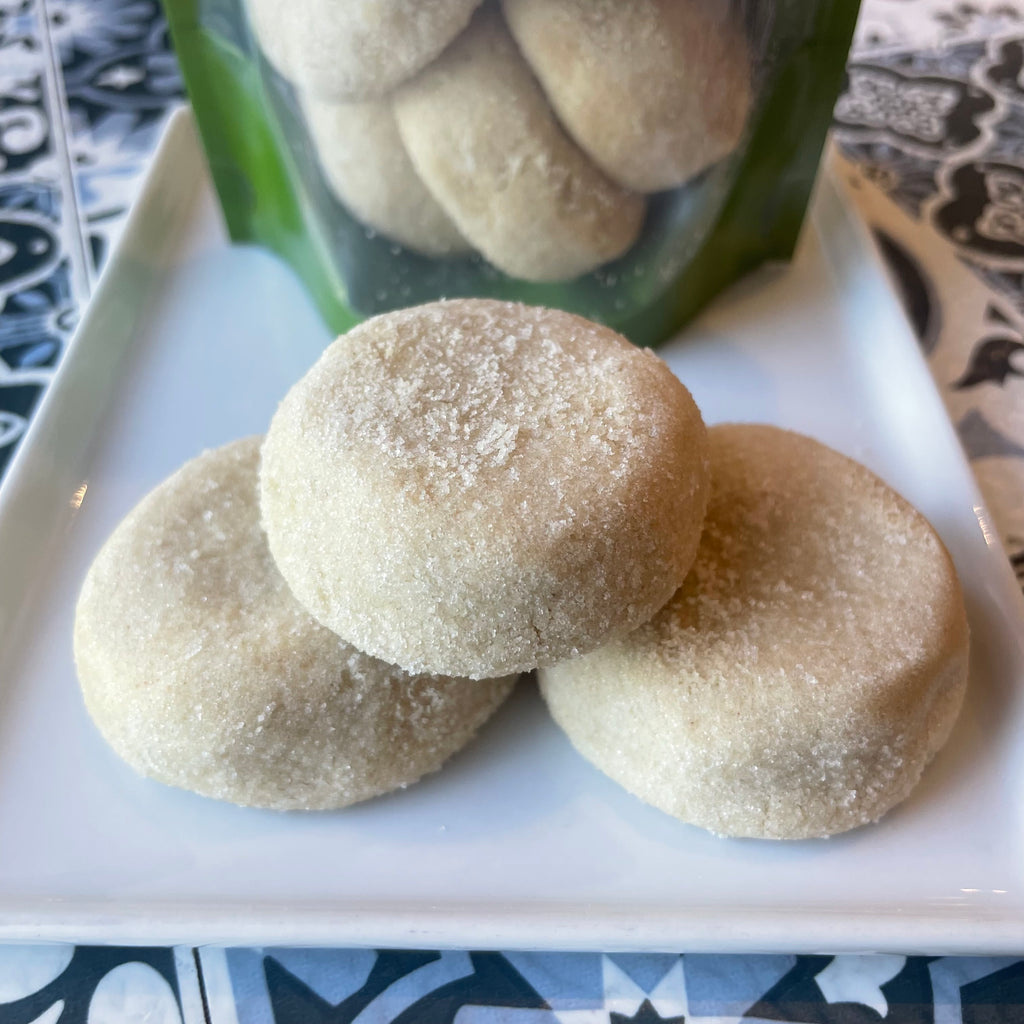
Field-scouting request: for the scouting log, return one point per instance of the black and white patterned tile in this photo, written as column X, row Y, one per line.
column 40, row 279
column 972, row 343
column 113, row 985
column 932, row 128
column 282, row 986
column 85, row 89
column 926, row 25
column 64, row 984
column 120, row 79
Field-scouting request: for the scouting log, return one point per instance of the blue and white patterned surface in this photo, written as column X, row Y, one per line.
column 278, row 986
column 63, row 984
column 85, row 89
column 931, row 129
column 47, row 985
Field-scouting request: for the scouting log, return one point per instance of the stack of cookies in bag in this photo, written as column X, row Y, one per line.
column 738, row 624
column 530, row 131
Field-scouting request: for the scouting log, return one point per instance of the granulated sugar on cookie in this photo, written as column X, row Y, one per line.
column 202, row 671
column 806, row 672
column 476, row 487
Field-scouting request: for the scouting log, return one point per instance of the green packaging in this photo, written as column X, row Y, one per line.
column 696, row 237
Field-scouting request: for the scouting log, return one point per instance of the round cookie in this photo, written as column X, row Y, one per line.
column 483, row 138
column 367, row 168
column 806, row 672
column 653, row 90
column 476, row 487
column 270, row 22
column 202, row 671
column 355, row 49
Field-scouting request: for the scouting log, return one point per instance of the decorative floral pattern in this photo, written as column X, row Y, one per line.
column 920, row 110
column 963, row 197
column 985, row 213
column 1006, row 75
column 278, row 986
column 85, row 88
column 115, row 985
column 92, row 985
column 99, row 29
column 1002, row 218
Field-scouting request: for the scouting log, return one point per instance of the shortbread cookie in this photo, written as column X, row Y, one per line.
column 653, row 90
column 477, row 487
column 486, row 144
column 367, row 168
column 269, row 21
column 202, row 671
column 355, row 49
column 807, row 671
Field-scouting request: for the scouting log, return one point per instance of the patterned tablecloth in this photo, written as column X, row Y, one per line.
column 931, row 133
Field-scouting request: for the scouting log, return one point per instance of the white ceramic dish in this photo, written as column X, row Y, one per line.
column 518, row 843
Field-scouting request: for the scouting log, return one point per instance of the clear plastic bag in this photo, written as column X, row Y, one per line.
column 622, row 159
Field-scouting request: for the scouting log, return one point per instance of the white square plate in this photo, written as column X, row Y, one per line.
column 518, row 843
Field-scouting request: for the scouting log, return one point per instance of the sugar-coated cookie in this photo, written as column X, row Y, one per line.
column 202, row 671
column 807, row 671
column 488, row 147
column 355, row 49
column 367, row 168
column 476, row 487
column 653, row 90
column 270, row 24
